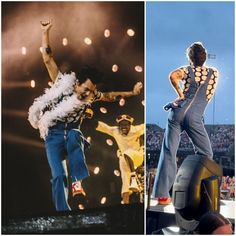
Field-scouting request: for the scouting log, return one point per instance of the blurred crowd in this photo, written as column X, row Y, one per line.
column 227, row 188
column 221, row 137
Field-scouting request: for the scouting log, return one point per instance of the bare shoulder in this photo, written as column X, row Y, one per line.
column 177, row 73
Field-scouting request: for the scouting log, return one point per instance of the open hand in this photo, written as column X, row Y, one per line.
column 137, row 88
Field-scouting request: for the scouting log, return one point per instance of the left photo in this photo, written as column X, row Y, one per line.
column 73, row 117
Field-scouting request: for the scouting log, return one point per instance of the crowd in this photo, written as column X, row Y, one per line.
column 227, row 188
column 221, row 137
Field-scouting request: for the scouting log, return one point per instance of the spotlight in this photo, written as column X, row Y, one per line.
column 103, row 110
column 130, row 32
column 88, row 41
column 103, row 200
column 81, row 206
column 138, row 68
column 122, row 102
column 116, row 172
column 109, row 142
column 107, row 33
column 23, row 50
column 115, row 68
column 96, row 170
column 64, row 41
column 32, row 84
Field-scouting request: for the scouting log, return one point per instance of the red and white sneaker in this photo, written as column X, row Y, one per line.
column 77, row 188
column 164, row 200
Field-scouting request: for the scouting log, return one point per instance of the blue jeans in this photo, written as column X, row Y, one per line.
column 188, row 117
column 63, row 140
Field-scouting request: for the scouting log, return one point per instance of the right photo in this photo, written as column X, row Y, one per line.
column 190, row 123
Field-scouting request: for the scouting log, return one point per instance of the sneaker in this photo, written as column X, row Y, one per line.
column 77, row 189
column 164, row 200
column 133, row 185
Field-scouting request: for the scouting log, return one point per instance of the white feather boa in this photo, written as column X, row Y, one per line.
column 62, row 86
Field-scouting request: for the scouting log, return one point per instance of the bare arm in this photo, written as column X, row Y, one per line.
column 46, row 51
column 112, row 96
column 175, row 77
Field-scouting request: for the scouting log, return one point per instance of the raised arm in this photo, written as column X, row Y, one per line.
column 112, row 96
column 47, row 52
column 175, row 77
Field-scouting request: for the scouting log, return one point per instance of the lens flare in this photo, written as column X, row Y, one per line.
column 107, row 33
column 115, row 68
column 130, row 32
column 109, row 142
column 87, row 41
column 64, row 41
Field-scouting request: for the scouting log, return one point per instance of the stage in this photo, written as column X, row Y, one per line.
column 159, row 216
column 119, row 219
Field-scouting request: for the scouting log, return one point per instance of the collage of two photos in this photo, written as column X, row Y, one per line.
column 118, row 117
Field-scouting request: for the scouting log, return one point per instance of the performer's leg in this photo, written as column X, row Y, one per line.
column 125, row 197
column 129, row 162
column 197, row 133
column 78, row 167
column 167, row 168
column 55, row 153
column 125, row 177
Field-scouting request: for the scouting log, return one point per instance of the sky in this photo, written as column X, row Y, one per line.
column 170, row 28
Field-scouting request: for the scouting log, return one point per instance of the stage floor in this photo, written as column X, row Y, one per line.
column 227, row 208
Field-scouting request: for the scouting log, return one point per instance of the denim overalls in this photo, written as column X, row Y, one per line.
column 63, row 140
column 187, row 116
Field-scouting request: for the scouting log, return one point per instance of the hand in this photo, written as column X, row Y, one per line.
column 46, row 25
column 137, row 88
column 178, row 99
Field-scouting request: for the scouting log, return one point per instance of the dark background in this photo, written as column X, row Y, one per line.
column 26, row 188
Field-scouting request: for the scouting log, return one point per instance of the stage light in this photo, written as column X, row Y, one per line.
column 87, row 41
column 143, row 103
column 109, row 142
column 138, row 68
column 17, row 113
column 32, row 83
column 130, row 32
column 21, row 140
column 116, row 172
column 96, row 170
column 23, row 51
column 64, row 41
column 103, row 110
column 16, row 84
column 81, row 206
column 122, row 102
column 115, row 68
column 103, row 200
column 89, row 139
column 107, row 33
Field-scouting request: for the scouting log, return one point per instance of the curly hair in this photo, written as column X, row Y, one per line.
column 89, row 72
column 196, row 54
